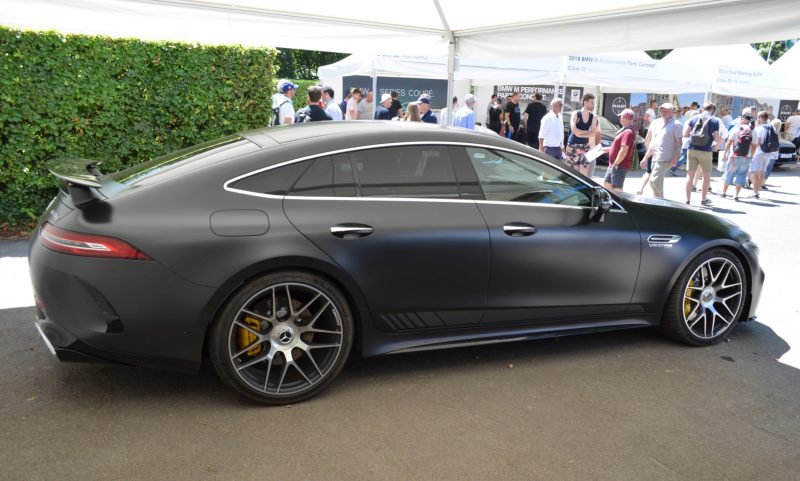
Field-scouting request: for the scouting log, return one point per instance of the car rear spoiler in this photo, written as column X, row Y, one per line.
column 79, row 178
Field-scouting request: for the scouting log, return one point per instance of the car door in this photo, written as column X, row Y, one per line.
column 550, row 262
column 394, row 220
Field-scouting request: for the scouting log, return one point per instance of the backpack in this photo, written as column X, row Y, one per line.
column 700, row 137
column 742, row 147
column 276, row 112
column 302, row 116
column 771, row 141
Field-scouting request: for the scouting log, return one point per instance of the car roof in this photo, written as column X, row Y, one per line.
column 369, row 132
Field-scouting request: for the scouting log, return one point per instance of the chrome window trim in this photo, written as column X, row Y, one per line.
column 227, row 187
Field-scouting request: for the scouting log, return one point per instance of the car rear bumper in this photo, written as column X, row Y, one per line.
column 124, row 311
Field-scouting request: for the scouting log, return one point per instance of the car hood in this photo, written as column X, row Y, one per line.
column 670, row 209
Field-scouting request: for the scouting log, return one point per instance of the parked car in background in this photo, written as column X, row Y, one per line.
column 787, row 154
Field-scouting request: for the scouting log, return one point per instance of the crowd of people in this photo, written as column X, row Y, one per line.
column 321, row 105
column 747, row 146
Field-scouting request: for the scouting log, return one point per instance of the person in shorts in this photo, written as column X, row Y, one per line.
column 738, row 164
column 620, row 154
column 584, row 126
column 699, row 158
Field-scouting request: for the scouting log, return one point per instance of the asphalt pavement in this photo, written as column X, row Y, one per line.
column 628, row 405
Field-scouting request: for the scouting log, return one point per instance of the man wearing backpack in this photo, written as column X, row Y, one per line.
column 312, row 112
column 702, row 131
column 741, row 147
column 282, row 108
column 766, row 140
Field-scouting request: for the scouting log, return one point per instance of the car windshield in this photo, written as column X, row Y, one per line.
column 606, row 124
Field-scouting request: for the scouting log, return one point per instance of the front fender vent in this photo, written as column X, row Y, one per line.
column 663, row 239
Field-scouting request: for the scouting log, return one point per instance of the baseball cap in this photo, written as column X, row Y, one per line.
column 667, row 105
column 627, row 113
column 425, row 99
column 469, row 98
column 285, row 85
column 386, row 97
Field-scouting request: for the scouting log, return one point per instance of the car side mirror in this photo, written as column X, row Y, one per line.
column 601, row 203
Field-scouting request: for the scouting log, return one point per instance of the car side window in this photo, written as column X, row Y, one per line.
column 328, row 176
column 275, row 181
column 515, row 178
column 419, row 171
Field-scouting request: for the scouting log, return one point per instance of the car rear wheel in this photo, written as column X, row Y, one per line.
column 707, row 300
column 282, row 337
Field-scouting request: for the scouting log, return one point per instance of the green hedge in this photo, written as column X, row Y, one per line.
column 121, row 101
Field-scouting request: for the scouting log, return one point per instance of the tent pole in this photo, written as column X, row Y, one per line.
column 451, row 61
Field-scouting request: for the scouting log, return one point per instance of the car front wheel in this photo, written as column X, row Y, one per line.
column 707, row 300
column 282, row 337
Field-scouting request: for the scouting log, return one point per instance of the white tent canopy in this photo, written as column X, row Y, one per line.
column 789, row 63
column 420, row 26
column 427, row 27
column 736, row 70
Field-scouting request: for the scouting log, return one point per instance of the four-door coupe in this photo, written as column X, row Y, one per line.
column 278, row 252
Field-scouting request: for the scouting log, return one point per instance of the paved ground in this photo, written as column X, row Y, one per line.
column 617, row 406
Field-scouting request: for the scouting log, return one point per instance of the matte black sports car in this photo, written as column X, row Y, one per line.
column 277, row 252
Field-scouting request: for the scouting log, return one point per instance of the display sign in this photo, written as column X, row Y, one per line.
column 614, row 104
column 572, row 99
column 408, row 89
column 785, row 109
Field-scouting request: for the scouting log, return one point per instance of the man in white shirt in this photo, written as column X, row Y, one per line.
column 551, row 132
column 352, row 105
column 330, row 105
column 282, row 108
column 793, row 127
column 666, row 137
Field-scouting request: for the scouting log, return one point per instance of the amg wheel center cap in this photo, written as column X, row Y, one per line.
column 286, row 336
column 707, row 296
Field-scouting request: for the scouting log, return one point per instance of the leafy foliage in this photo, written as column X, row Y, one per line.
column 295, row 63
column 119, row 101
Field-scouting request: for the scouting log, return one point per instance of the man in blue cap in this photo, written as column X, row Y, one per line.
column 282, row 108
column 425, row 109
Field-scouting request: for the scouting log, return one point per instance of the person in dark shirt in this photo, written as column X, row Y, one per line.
column 425, row 109
column 382, row 110
column 395, row 108
column 495, row 115
column 533, row 119
column 313, row 111
column 512, row 116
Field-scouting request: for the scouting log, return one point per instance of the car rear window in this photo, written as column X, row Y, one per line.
column 225, row 148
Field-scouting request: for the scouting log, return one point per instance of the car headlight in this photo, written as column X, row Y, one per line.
column 752, row 246
column 605, row 143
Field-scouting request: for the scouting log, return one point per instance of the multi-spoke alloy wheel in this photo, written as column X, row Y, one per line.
column 282, row 338
column 707, row 300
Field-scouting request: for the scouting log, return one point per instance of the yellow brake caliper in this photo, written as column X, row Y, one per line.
column 246, row 337
column 687, row 305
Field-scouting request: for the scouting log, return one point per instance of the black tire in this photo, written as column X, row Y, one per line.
column 294, row 338
column 683, row 316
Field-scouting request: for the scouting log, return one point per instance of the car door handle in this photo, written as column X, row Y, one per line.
column 351, row 231
column 519, row 229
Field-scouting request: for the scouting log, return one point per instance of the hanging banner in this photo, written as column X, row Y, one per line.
column 409, row 89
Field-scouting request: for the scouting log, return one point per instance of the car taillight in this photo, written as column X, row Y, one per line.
column 89, row 245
